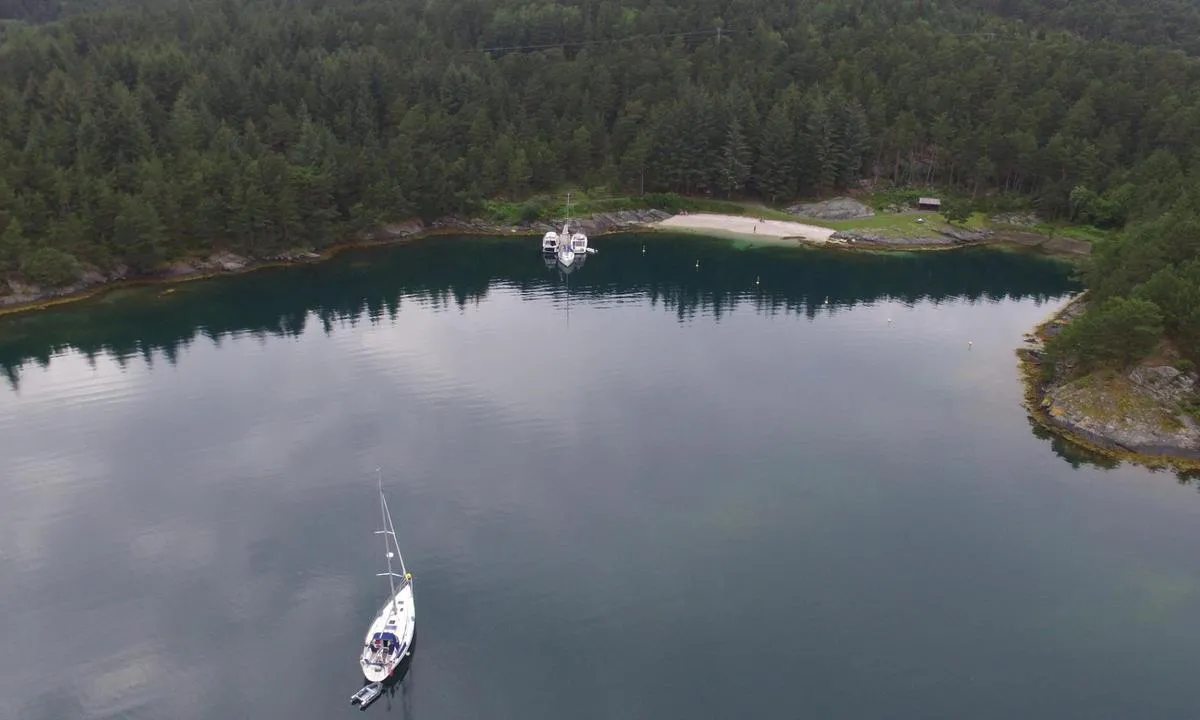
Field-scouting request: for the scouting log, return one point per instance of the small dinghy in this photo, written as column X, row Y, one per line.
column 367, row 695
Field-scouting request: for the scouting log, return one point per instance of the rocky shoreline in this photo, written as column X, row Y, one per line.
column 940, row 239
column 22, row 297
column 1141, row 415
column 955, row 237
column 934, row 237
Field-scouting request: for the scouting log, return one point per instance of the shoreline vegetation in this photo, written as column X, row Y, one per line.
column 893, row 231
column 1141, row 414
column 1096, row 413
column 152, row 141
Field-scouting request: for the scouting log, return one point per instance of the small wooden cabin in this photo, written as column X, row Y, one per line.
column 928, row 203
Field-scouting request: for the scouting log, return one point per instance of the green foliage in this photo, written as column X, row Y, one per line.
column 1102, row 211
column 50, row 267
column 776, row 177
column 129, row 135
column 138, row 234
column 1171, row 23
column 735, row 161
column 531, row 211
column 901, row 197
column 1117, row 332
column 1003, row 203
column 13, row 246
column 956, row 211
column 1176, row 290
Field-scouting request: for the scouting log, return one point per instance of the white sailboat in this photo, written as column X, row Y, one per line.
column 566, row 251
column 569, row 245
column 390, row 637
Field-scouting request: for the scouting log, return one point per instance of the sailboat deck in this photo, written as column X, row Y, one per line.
column 390, row 635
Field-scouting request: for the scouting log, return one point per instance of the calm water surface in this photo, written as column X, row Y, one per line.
column 647, row 490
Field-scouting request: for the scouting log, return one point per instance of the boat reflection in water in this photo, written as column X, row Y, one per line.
column 551, row 262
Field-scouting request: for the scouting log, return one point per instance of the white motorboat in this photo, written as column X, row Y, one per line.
column 390, row 636
column 579, row 243
column 550, row 243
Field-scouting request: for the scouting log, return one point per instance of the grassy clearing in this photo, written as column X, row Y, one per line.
column 911, row 225
column 1085, row 233
column 542, row 208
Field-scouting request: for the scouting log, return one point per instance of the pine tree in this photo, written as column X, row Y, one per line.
column 775, row 175
column 735, row 161
column 138, row 234
column 251, row 222
column 13, row 246
column 852, row 140
column 821, row 135
column 520, row 174
column 634, row 162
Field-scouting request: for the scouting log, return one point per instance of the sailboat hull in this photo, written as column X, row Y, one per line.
column 390, row 637
column 566, row 257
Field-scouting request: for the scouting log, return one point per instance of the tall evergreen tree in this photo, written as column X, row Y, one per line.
column 138, row 234
column 775, row 175
column 735, row 160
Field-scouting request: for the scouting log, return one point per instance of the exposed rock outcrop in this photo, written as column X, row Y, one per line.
column 1060, row 245
column 396, row 231
column 1068, row 246
column 867, row 238
column 1147, row 411
column 1017, row 219
column 1117, row 411
column 964, row 236
column 842, row 208
column 1166, row 383
column 92, row 278
column 26, row 294
column 21, row 294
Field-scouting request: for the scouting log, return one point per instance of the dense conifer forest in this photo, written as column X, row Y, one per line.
column 133, row 132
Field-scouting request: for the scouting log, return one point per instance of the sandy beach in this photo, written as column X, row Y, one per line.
column 777, row 231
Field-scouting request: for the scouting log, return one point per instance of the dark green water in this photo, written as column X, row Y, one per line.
column 658, row 491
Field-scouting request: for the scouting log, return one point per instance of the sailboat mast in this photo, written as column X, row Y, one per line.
column 387, row 550
column 567, row 222
column 387, row 512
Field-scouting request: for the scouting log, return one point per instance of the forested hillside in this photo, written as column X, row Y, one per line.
column 134, row 136
column 1164, row 23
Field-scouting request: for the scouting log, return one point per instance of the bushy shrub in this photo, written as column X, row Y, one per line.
column 532, row 210
column 1116, row 333
column 50, row 267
